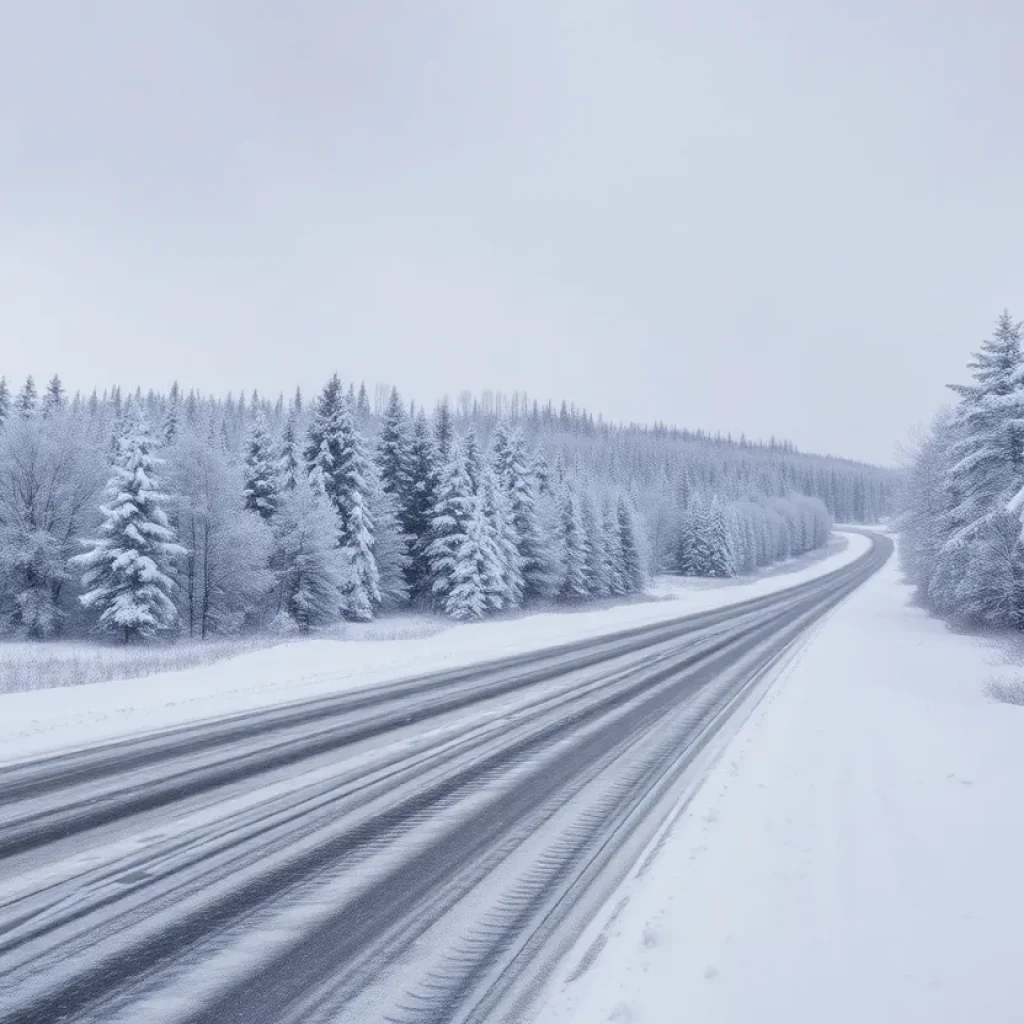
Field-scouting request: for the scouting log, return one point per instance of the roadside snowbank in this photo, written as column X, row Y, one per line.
column 854, row 857
column 44, row 721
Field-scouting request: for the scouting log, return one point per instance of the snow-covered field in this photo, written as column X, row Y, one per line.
column 47, row 720
column 855, row 855
column 28, row 665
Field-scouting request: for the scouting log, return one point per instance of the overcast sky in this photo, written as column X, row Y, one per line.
column 789, row 218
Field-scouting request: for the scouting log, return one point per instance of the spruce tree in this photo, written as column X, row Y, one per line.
column 390, row 544
column 572, row 547
column 540, row 472
column 721, row 562
column 684, row 554
column 25, row 403
column 394, row 453
column 444, row 433
column 363, row 406
column 337, row 452
column 289, row 457
column 986, row 469
column 307, row 562
column 260, row 484
column 323, row 443
column 501, row 454
column 362, row 585
column 5, row 402
column 632, row 555
column 417, row 515
column 598, row 577
column 471, row 592
column 702, row 549
column 536, row 556
column 504, row 578
column 473, row 458
column 454, row 506
column 615, row 563
column 172, row 416
column 54, row 398
column 128, row 572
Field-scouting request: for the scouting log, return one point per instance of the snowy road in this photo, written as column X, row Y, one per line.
column 416, row 852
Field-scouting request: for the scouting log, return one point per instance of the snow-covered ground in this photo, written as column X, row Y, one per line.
column 47, row 720
column 854, row 856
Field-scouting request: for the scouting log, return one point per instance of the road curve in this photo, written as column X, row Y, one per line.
column 419, row 852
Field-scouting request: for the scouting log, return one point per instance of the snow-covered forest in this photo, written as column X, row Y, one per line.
column 960, row 523
column 185, row 515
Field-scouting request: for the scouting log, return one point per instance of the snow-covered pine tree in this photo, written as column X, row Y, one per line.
column 25, row 403
column 309, row 567
column 920, row 521
column 390, row 544
column 572, row 543
column 128, row 573
column 322, row 444
column 356, row 526
column 394, row 452
column 474, row 459
column 172, row 416
column 500, row 454
column 471, row 591
column 363, row 406
column 261, row 481
column 736, row 532
column 336, row 450
column 449, row 525
column 54, row 398
column 417, row 516
column 684, row 554
column 992, row 589
column 615, row 569
column 5, row 402
column 986, row 471
column 289, row 456
column 746, row 524
column 504, row 579
column 537, row 557
column 721, row 562
column 701, row 550
column 633, row 561
column 541, row 472
column 597, row 560
column 444, row 433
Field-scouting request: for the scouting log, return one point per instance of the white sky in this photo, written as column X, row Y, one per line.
column 792, row 217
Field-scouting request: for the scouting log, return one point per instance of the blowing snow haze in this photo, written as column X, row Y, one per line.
column 779, row 225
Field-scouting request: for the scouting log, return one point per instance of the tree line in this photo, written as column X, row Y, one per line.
column 180, row 513
column 960, row 519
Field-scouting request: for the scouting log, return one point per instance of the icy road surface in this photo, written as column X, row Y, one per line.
column 422, row 851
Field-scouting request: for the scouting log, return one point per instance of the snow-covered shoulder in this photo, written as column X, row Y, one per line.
column 44, row 721
column 853, row 857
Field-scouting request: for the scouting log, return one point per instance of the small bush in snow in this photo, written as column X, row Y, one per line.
column 1006, row 691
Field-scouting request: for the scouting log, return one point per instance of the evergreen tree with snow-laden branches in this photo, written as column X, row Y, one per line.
column 128, row 572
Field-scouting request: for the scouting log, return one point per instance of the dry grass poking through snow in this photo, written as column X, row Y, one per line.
column 1006, row 691
column 42, row 666
column 30, row 666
